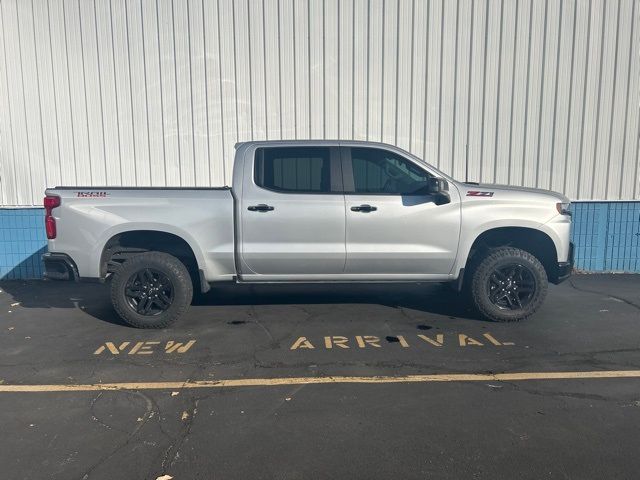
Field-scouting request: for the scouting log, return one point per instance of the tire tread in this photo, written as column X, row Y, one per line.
column 180, row 276
column 477, row 290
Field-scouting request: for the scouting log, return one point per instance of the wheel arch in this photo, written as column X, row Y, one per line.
column 531, row 240
column 122, row 245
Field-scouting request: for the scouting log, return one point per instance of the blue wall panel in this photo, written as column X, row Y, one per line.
column 606, row 237
column 622, row 246
column 22, row 243
column 589, row 226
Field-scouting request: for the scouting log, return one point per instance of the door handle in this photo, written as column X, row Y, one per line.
column 364, row 208
column 260, row 208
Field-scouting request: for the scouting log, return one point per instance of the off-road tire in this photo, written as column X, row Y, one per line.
column 480, row 277
column 167, row 265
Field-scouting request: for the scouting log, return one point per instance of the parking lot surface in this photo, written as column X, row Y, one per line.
column 288, row 382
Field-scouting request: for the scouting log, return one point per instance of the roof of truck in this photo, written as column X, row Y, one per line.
column 315, row 142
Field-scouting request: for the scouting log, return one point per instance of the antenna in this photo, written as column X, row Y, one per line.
column 466, row 162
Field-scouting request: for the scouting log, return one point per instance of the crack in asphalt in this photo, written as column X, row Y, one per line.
column 147, row 415
column 96, row 419
column 274, row 343
column 622, row 299
column 561, row 394
column 172, row 452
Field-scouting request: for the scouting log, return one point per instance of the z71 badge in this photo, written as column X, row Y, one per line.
column 477, row 193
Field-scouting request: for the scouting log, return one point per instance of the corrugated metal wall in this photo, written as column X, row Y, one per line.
column 156, row 92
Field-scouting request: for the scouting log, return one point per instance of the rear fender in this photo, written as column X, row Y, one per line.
column 157, row 227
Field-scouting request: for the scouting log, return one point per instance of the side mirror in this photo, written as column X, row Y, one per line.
column 437, row 185
column 439, row 188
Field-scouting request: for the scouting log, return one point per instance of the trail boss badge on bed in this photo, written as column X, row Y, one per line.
column 92, row 194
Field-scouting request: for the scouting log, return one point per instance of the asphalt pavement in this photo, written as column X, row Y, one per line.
column 321, row 381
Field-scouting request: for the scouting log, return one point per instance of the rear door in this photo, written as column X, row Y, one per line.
column 394, row 228
column 292, row 213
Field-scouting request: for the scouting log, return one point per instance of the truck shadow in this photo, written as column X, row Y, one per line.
column 93, row 298
column 438, row 299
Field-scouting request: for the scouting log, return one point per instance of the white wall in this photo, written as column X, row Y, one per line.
column 144, row 92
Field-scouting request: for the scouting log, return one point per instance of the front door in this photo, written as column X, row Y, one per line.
column 292, row 214
column 395, row 229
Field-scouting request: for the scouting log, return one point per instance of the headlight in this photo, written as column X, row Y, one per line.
column 564, row 208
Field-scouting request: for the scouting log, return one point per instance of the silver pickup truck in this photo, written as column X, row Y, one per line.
column 311, row 211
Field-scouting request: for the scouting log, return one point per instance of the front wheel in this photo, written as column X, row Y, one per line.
column 508, row 285
column 151, row 290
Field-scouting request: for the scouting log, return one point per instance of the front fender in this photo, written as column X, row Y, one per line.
column 469, row 238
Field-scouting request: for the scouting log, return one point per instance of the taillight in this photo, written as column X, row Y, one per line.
column 50, row 202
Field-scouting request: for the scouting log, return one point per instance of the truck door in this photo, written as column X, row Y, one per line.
column 292, row 213
column 394, row 226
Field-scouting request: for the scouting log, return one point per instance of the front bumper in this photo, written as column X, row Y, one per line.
column 59, row 266
column 564, row 269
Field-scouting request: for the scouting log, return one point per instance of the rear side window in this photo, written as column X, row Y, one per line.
column 294, row 170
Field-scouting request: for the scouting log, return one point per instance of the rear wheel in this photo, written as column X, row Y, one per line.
column 151, row 290
column 508, row 284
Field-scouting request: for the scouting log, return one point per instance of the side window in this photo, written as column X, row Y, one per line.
column 293, row 169
column 382, row 172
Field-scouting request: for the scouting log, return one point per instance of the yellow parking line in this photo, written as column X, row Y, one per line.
column 270, row 382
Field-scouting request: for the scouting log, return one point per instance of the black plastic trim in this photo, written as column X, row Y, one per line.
column 459, row 282
column 564, row 269
column 60, row 266
column 204, row 285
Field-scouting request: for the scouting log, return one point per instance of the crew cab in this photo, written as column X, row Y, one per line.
column 311, row 211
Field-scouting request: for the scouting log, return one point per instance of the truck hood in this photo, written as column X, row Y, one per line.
column 466, row 188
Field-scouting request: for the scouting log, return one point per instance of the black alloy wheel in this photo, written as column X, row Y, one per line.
column 149, row 292
column 511, row 286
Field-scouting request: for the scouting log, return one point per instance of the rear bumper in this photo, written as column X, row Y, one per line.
column 564, row 269
column 59, row 266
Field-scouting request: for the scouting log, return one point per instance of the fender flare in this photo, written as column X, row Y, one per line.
column 151, row 226
column 465, row 247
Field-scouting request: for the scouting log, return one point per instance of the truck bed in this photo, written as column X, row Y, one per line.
column 92, row 216
column 85, row 187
